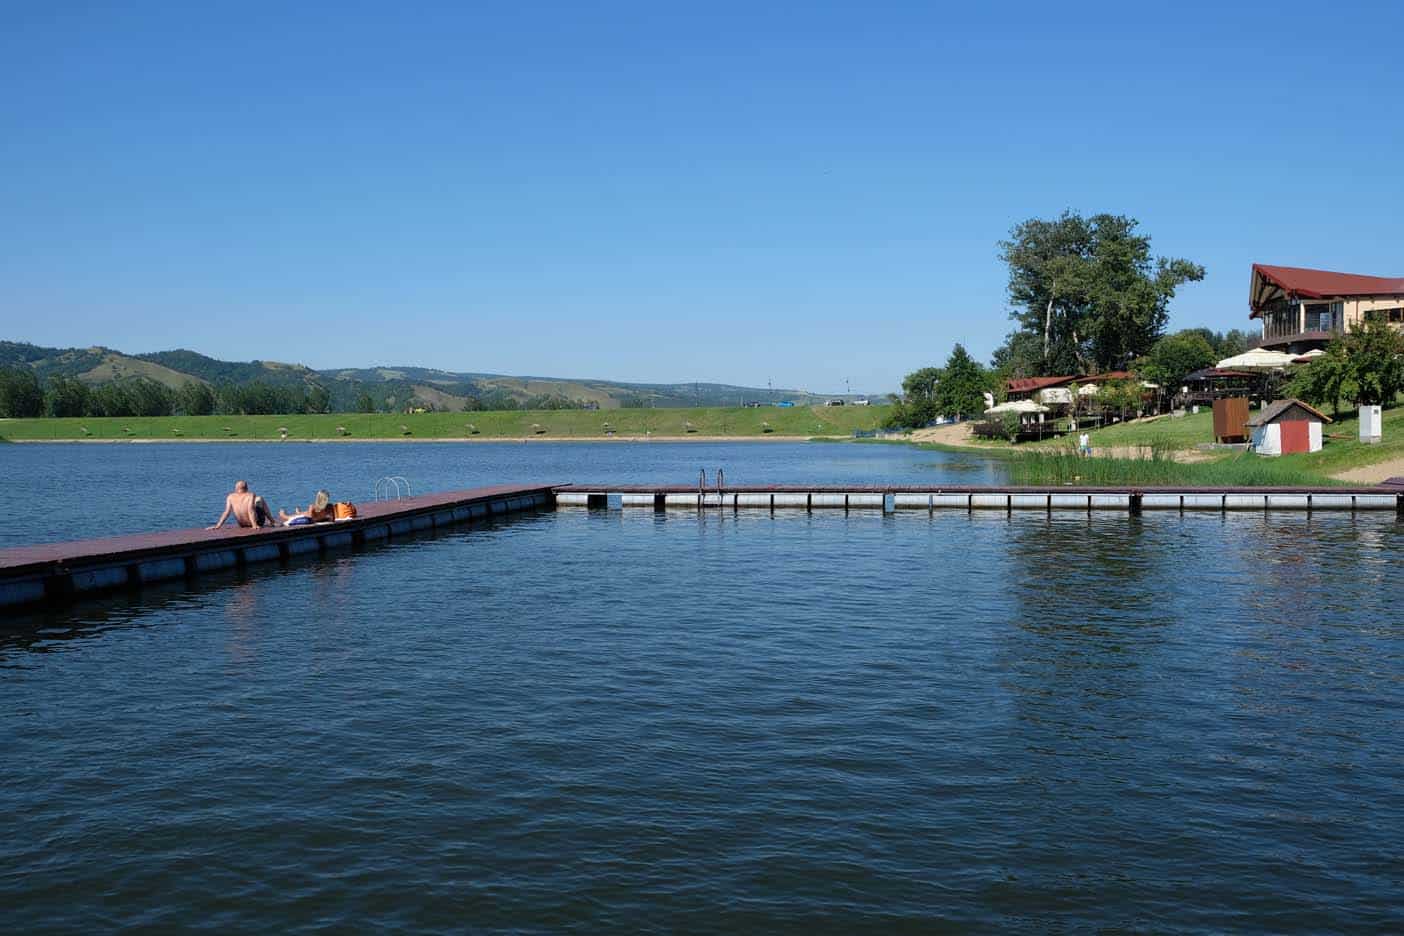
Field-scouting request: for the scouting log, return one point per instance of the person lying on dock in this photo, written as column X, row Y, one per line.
column 319, row 511
column 248, row 508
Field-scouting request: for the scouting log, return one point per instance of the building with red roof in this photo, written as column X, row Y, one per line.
column 1028, row 388
column 1302, row 309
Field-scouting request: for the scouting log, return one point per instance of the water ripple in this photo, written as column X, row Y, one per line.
column 585, row 721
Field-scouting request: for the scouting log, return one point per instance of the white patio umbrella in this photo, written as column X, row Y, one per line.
column 1017, row 406
column 1257, row 358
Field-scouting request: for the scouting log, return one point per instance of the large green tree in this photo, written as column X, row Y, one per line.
column 1376, row 355
column 1225, row 344
column 65, row 396
column 1364, row 366
column 1325, row 380
column 195, row 398
column 20, row 393
column 961, row 390
column 1174, row 356
column 318, row 399
column 1088, row 291
column 917, row 405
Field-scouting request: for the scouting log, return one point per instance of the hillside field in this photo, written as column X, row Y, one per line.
column 707, row 422
column 392, row 389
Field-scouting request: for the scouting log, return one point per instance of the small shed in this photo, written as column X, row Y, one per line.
column 1285, row 427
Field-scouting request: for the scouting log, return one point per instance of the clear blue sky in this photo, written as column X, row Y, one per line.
column 733, row 192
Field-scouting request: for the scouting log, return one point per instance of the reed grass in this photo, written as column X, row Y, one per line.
column 1157, row 468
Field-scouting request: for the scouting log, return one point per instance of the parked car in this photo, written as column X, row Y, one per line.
column 833, row 402
column 786, row 403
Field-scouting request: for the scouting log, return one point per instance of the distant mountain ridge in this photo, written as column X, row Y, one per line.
column 390, row 387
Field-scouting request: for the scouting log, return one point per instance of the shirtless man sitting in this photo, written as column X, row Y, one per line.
column 248, row 508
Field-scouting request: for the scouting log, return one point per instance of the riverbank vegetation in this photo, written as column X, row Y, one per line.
column 706, row 422
column 1158, row 467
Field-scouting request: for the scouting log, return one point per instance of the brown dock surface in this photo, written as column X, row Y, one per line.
column 62, row 570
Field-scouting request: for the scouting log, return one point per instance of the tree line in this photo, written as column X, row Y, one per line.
column 502, row 400
column 24, row 395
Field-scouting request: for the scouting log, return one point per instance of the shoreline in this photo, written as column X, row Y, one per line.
column 958, row 438
column 405, row 439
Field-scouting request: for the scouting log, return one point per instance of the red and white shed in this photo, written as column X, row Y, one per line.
column 1284, row 427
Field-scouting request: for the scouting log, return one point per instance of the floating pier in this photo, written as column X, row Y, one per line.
column 60, row 572
column 890, row 499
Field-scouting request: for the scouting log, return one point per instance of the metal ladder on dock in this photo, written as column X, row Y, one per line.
column 392, row 487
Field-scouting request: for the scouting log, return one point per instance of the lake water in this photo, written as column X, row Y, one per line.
column 61, row 492
column 682, row 722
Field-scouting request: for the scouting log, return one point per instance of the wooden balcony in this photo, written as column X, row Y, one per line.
column 1281, row 341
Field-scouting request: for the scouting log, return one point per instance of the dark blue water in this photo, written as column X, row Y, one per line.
column 53, row 492
column 591, row 721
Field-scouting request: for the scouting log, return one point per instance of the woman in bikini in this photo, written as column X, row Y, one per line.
column 319, row 511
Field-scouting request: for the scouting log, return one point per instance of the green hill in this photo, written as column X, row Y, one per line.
column 390, row 388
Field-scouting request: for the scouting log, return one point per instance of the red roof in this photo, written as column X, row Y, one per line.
column 1029, row 384
column 1271, row 281
column 1211, row 373
column 1279, row 408
column 1025, row 384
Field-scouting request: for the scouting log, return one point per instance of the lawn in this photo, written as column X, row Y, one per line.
column 1057, row 463
column 1182, row 432
column 1342, row 450
column 709, row 422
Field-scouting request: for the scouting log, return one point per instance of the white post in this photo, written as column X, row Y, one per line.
column 1370, row 428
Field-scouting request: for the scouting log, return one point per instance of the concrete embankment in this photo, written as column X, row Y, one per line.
column 60, row 572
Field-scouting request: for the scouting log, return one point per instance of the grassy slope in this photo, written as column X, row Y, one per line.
column 1054, row 462
column 558, row 424
column 121, row 367
column 1342, row 450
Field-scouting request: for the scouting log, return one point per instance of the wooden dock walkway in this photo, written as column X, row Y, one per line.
column 57, row 572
